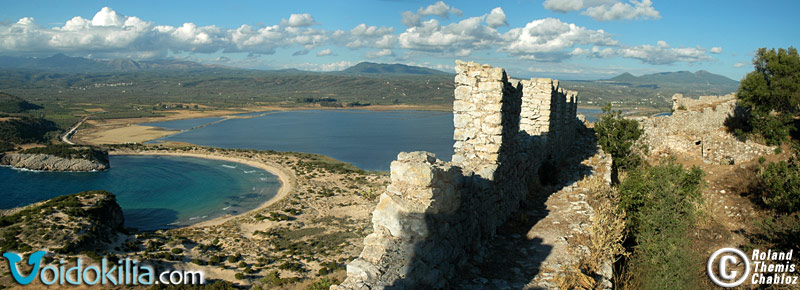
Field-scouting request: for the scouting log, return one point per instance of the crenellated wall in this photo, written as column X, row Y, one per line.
column 436, row 215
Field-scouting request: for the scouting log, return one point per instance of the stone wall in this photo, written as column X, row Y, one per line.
column 436, row 215
column 697, row 128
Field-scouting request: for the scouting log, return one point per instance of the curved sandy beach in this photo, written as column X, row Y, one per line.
column 285, row 176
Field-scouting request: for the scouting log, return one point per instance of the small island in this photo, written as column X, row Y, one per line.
column 60, row 157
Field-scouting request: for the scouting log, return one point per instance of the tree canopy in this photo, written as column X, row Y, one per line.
column 771, row 93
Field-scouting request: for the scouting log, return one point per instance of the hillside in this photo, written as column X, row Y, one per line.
column 14, row 104
column 66, row 224
column 65, row 64
column 382, row 68
column 651, row 90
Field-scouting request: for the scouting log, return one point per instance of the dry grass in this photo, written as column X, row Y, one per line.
column 601, row 245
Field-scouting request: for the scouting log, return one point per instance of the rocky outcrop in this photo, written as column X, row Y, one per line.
column 46, row 162
column 67, row 224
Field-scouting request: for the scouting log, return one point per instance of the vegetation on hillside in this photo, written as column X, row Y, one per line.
column 59, row 221
column 777, row 191
column 770, row 96
column 14, row 104
column 659, row 204
column 70, row 152
column 27, row 130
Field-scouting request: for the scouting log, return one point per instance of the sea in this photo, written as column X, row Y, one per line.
column 155, row 192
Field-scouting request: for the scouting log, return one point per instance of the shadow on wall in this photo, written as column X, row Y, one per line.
column 494, row 254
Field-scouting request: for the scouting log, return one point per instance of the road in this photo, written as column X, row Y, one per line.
column 67, row 136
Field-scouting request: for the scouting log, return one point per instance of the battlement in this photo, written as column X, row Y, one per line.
column 436, row 215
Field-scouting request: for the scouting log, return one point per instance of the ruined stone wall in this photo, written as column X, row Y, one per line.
column 436, row 215
column 697, row 128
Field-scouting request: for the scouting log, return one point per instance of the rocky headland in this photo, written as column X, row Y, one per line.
column 58, row 158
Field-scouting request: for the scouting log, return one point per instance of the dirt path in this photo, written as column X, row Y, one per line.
column 67, row 137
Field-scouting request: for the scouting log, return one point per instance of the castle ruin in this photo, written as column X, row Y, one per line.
column 436, row 215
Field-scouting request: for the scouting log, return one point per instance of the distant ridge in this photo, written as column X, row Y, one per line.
column 382, row 68
column 679, row 77
column 67, row 64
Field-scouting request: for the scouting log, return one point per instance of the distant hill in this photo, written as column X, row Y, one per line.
column 650, row 90
column 66, row 64
column 14, row 104
column 680, row 77
column 382, row 68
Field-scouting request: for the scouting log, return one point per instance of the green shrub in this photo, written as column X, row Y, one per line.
column 239, row 276
column 660, row 202
column 618, row 136
column 176, row 250
column 780, row 186
column 323, row 284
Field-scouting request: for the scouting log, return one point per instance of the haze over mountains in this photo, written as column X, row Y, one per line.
column 364, row 82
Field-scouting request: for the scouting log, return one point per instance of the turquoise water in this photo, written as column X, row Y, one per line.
column 155, row 192
column 367, row 139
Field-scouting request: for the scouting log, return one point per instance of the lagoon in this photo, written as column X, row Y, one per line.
column 155, row 192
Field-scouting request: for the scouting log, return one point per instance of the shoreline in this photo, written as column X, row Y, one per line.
column 286, row 178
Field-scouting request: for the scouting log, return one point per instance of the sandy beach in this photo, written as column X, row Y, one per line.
column 286, row 177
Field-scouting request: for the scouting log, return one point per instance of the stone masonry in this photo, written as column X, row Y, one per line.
column 436, row 215
column 697, row 128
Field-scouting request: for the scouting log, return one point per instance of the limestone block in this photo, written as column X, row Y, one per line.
column 399, row 219
column 362, row 270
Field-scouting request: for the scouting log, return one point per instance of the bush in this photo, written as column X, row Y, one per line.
column 660, row 202
column 618, row 136
column 323, row 284
column 779, row 185
column 239, row 276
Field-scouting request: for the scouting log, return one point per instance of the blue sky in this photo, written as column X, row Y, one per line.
column 565, row 39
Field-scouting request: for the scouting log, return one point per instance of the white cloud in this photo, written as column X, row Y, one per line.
column 367, row 36
column 324, row 52
column 664, row 54
column 298, row 20
column 739, row 64
column 605, row 10
column 334, row 66
column 380, row 53
column 549, row 39
column 439, row 9
column 431, row 36
column 715, row 49
column 111, row 34
column 496, row 18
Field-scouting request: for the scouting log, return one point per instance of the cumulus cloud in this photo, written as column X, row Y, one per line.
column 496, row 18
column 439, row 9
column 739, row 64
column 380, row 53
column 606, row 10
column 662, row 53
column 548, row 39
column 324, row 52
column 367, row 36
column 431, row 36
column 111, row 34
column 298, row 20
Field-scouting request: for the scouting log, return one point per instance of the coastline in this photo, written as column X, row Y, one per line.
column 286, row 178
